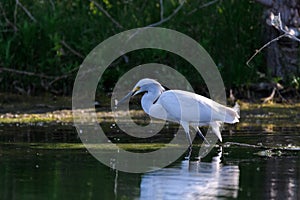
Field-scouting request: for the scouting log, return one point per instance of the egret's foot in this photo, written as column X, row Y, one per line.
column 205, row 145
column 202, row 136
column 197, row 158
column 206, row 141
column 188, row 156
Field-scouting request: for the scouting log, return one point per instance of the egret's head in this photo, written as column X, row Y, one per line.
column 144, row 85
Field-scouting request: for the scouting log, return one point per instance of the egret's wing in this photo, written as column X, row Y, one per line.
column 191, row 107
column 184, row 106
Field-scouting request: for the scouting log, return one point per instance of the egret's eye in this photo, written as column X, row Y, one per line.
column 137, row 88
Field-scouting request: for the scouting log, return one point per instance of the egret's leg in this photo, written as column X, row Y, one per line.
column 201, row 135
column 186, row 128
column 188, row 156
column 215, row 126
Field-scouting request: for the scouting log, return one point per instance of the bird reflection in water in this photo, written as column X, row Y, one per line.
column 192, row 180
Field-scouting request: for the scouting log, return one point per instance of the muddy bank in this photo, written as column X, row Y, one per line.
column 50, row 108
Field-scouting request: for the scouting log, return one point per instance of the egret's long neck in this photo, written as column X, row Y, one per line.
column 150, row 97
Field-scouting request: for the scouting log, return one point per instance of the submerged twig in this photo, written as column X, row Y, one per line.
column 261, row 146
column 242, row 144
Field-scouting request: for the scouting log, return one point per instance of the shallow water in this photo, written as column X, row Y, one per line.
column 46, row 161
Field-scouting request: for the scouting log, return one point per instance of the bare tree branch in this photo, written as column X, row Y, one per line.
column 63, row 76
column 265, row 45
column 8, row 22
column 203, row 6
column 277, row 23
column 107, row 14
column 161, row 2
column 169, row 17
column 45, row 85
column 26, row 73
column 52, row 5
column 265, row 2
column 15, row 12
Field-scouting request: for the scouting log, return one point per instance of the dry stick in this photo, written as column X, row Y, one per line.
column 169, row 17
column 282, row 98
column 15, row 12
column 161, row 21
column 26, row 11
column 52, row 4
column 277, row 23
column 7, row 20
column 267, row 44
column 269, row 98
column 71, row 49
column 26, row 73
column 107, row 14
column 242, row 144
column 265, row 2
column 203, row 6
column 69, row 73
column 271, row 148
column 161, row 2
column 54, row 78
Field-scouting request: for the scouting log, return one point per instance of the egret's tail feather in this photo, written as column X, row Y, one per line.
column 215, row 126
column 236, row 108
column 232, row 115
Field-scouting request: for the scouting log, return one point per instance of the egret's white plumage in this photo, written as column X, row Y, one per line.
column 186, row 108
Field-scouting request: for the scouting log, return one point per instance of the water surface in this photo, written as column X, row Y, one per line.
column 37, row 163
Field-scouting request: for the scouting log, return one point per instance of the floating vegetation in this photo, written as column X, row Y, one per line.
column 106, row 146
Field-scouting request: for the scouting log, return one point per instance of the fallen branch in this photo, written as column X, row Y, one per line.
column 261, row 146
column 271, row 97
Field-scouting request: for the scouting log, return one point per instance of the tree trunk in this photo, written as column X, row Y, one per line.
column 282, row 56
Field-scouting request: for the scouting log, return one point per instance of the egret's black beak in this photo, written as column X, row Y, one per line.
column 130, row 94
column 125, row 98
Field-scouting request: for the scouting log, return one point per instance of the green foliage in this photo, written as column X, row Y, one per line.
column 229, row 30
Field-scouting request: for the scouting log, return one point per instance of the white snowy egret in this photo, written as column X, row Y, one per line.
column 185, row 108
